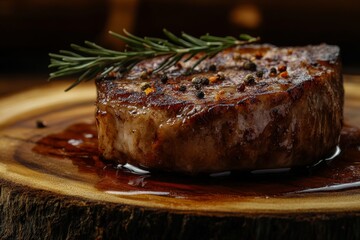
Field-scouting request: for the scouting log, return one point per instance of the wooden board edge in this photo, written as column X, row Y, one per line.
column 27, row 213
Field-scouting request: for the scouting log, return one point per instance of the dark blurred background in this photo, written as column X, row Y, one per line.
column 30, row 29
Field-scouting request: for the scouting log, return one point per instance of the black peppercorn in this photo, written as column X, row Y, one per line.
column 212, row 68
column 200, row 94
column 249, row 79
column 204, row 81
column 182, row 88
column 273, row 71
column 40, row 124
column 250, row 66
column 200, row 80
column 259, row 73
column 164, row 78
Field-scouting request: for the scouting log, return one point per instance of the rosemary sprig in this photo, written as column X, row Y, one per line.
column 93, row 60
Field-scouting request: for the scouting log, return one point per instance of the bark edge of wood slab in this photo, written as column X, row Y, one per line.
column 39, row 214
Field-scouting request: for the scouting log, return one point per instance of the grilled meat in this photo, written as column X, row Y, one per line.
column 253, row 107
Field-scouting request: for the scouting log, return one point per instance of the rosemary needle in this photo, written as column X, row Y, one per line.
column 92, row 60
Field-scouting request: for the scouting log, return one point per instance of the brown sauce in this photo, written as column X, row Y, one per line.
column 79, row 143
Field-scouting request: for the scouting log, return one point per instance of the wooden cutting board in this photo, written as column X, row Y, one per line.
column 53, row 185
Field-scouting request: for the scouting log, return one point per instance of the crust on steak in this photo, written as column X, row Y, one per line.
column 280, row 120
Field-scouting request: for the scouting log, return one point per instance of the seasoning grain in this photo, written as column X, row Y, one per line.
column 200, row 94
column 251, row 66
column 249, row 79
column 164, row 78
column 182, row 88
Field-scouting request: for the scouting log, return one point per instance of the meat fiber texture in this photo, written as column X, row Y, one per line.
column 247, row 108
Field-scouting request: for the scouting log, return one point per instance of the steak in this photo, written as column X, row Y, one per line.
column 250, row 107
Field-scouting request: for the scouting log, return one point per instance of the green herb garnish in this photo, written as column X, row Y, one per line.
column 92, row 60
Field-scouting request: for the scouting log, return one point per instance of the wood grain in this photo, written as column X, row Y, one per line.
column 48, row 198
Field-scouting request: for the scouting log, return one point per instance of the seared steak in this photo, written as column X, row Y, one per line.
column 253, row 107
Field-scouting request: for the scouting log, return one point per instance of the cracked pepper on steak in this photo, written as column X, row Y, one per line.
column 250, row 107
